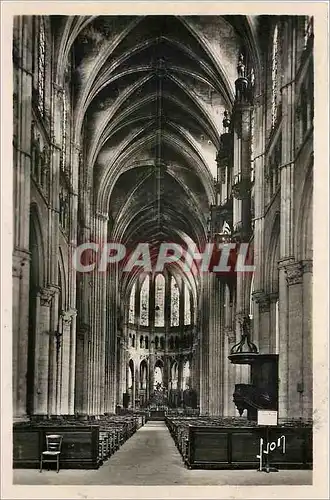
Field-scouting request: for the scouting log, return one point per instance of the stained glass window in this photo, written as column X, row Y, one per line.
column 175, row 303
column 144, row 302
column 275, row 89
column 187, row 307
column 131, row 315
column 159, row 300
column 41, row 66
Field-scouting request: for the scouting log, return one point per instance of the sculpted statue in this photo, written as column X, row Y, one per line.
column 241, row 67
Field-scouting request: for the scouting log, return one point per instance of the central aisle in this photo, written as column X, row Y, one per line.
column 150, row 458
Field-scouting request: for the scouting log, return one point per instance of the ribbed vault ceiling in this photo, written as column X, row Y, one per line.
column 149, row 97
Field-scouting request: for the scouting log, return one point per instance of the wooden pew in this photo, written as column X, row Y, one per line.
column 217, row 443
column 86, row 443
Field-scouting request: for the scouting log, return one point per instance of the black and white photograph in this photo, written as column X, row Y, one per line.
column 162, row 289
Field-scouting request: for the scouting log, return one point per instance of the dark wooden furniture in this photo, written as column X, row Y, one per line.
column 80, row 446
column 156, row 415
column 86, row 443
column 237, row 447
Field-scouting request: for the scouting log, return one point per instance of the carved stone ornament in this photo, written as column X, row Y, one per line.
column 262, row 299
column 241, row 67
column 68, row 315
column 46, row 295
column 294, row 273
column 20, row 260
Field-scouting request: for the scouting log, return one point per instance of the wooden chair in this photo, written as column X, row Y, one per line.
column 53, row 450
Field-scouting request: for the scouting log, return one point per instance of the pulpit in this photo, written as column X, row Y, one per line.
column 262, row 391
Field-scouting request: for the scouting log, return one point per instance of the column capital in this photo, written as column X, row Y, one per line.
column 284, row 262
column 20, row 258
column 68, row 315
column 46, row 295
column 262, row 299
column 294, row 273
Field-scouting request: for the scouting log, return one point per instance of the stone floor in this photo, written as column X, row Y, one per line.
column 150, row 458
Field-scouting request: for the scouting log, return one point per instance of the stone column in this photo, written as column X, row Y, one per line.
column 273, row 341
column 21, row 264
column 137, row 380
column 288, row 150
column 67, row 369
column 229, row 377
column 286, row 227
column 283, row 359
column 43, row 336
column 52, row 254
column 215, row 347
column 123, row 370
column 103, row 231
column 307, row 345
column 259, row 201
column 111, row 337
column 262, row 321
column 294, row 277
column 81, row 369
column 204, row 347
column 23, row 27
column 72, row 278
column 229, row 333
